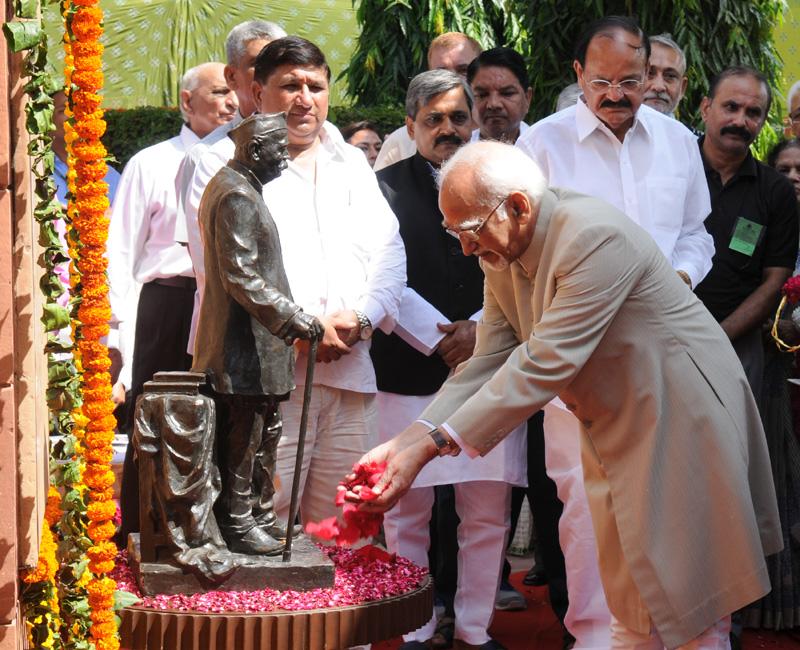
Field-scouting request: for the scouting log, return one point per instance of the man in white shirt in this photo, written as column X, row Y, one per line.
column 346, row 265
column 242, row 46
column 451, row 51
column 666, row 75
column 647, row 165
column 142, row 251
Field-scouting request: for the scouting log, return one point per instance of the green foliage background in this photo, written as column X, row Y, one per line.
column 715, row 33
column 130, row 131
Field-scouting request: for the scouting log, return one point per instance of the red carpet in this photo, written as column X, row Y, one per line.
column 537, row 628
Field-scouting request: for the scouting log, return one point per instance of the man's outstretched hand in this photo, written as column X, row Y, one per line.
column 405, row 455
column 331, row 347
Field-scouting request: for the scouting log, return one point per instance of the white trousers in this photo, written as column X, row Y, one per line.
column 484, row 509
column 717, row 637
column 588, row 618
column 342, row 427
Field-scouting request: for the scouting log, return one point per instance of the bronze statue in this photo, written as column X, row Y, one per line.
column 247, row 325
column 206, row 440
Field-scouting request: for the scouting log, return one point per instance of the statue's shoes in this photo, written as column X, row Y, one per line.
column 279, row 528
column 255, row 542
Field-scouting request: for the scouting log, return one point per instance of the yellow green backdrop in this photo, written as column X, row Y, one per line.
column 149, row 44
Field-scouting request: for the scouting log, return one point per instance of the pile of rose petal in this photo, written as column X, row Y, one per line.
column 361, row 575
column 355, row 524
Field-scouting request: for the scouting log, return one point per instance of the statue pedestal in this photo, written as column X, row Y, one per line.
column 320, row 629
column 308, row 569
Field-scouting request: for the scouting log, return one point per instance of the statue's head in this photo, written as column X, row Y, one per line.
column 261, row 144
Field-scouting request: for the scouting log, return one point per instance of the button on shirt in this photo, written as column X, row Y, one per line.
column 340, row 243
column 141, row 236
column 655, row 176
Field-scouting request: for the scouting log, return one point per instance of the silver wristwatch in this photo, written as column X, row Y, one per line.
column 365, row 327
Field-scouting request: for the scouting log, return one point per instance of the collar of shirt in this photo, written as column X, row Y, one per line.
column 747, row 168
column 587, row 122
column 188, row 137
column 476, row 134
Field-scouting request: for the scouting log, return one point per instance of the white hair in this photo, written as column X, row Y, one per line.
column 497, row 170
column 665, row 40
column 568, row 96
column 191, row 80
column 243, row 33
column 792, row 92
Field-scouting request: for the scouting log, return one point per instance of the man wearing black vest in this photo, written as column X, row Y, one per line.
column 435, row 333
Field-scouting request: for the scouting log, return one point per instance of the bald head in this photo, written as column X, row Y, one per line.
column 489, row 195
column 206, row 100
column 453, row 51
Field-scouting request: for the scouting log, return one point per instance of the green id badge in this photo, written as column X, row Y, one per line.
column 746, row 236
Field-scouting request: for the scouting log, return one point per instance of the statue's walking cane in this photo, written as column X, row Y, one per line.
column 301, row 443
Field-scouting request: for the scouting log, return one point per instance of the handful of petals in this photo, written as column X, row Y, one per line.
column 355, row 524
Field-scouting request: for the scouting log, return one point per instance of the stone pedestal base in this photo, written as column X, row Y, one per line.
column 308, row 569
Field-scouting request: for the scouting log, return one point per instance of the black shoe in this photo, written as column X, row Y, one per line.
column 413, row 645
column 255, row 542
column 535, row 577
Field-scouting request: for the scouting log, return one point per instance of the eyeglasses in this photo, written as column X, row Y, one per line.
column 794, row 119
column 601, row 86
column 472, row 234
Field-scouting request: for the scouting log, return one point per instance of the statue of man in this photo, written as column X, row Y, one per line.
column 247, row 325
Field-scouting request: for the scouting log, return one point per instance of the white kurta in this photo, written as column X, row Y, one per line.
column 141, row 242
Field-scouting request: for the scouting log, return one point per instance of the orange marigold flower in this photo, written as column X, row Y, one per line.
column 104, row 630
column 87, row 101
column 100, row 455
column 102, row 495
column 104, row 551
column 52, row 512
column 102, row 424
column 91, row 129
column 97, row 332
column 86, row 23
column 100, row 511
column 96, row 205
column 100, row 478
column 86, row 49
column 47, row 565
column 98, row 439
column 101, row 530
column 88, row 63
column 91, row 171
column 101, row 602
column 86, row 188
column 101, row 616
column 102, row 587
column 91, row 150
column 88, row 80
column 107, row 643
column 97, row 410
column 93, row 395
column 101, row 566
column 91, row 265
column 93, row 379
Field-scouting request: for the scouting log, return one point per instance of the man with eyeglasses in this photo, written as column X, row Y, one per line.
column 793, row 102
column 647, row 165
column 435, row 333
column 580, row 303
column 666, row 81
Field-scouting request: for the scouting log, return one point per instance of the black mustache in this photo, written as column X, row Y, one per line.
column 622, row 103
column 448, row 139
column 736, row 130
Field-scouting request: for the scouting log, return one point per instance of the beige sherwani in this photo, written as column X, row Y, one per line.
column 675, row 462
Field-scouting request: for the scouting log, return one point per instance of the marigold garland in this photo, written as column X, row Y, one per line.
column 91, row 227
